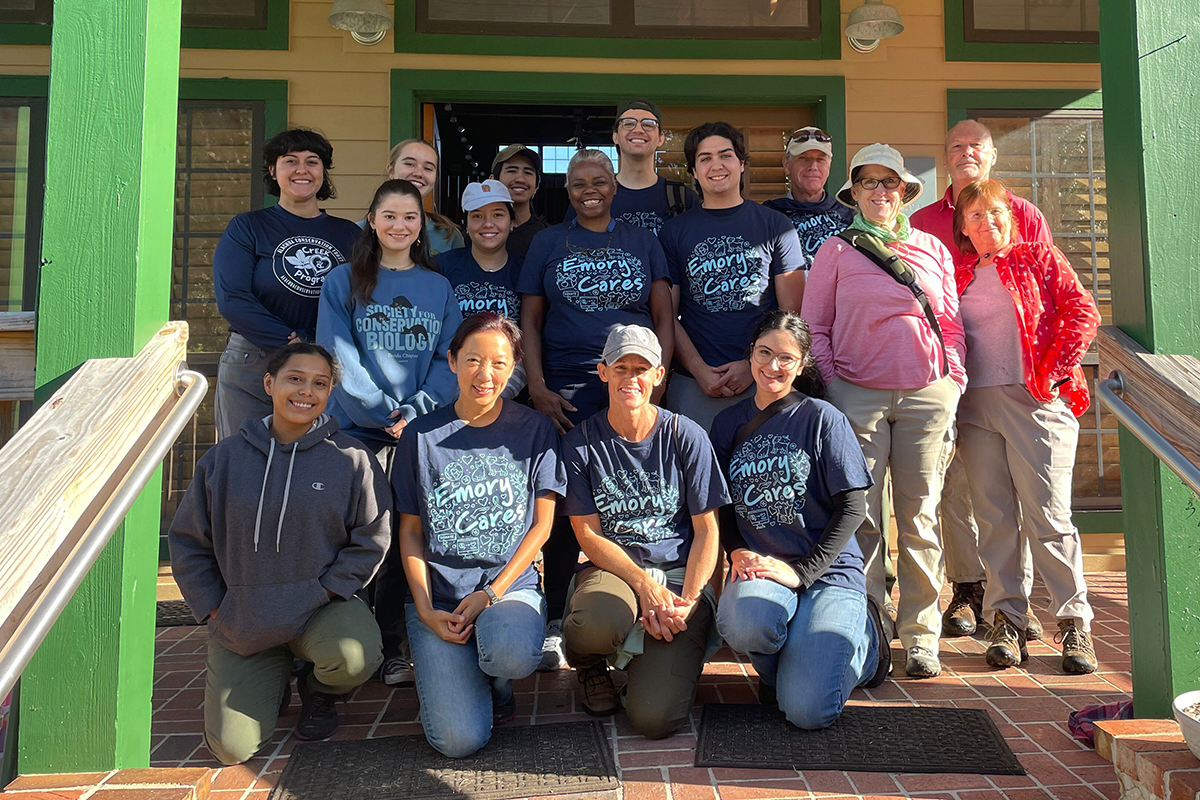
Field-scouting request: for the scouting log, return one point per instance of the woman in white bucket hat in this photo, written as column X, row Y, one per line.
column 893, row 358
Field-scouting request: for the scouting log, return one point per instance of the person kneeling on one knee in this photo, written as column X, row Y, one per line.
column 475, row 485
column 643, row 487
column 796, row 601
column 281, row 529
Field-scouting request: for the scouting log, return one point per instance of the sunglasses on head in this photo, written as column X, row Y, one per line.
column 810, row 134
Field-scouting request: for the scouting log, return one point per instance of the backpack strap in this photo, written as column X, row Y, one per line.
column 762, row 417
column 676, row 198
column 883, row 257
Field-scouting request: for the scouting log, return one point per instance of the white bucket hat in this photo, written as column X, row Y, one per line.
column 884, row 156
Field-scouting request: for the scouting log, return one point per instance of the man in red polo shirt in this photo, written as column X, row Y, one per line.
column 970, row 156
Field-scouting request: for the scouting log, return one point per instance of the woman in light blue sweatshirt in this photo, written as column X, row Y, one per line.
column 388, row 316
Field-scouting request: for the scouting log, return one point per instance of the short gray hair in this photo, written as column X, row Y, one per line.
column 582, row 157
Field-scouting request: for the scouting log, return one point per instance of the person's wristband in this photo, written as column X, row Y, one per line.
column 493, row 598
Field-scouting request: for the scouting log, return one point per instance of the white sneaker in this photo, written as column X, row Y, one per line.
column 553, row 656
column 397, row 671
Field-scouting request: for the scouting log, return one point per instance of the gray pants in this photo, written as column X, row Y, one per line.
column 240, row 392
column 684, row 396
column 910, row 430
column 1020, row 456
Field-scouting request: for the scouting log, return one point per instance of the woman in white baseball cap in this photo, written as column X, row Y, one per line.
column 892, row 353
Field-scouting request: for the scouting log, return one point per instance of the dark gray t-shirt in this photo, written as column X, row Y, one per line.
column 474, row 490
column 645, row 492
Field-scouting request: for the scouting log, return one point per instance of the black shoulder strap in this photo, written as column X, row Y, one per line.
column 762, row 417
column 676, row 198
column 883, row 257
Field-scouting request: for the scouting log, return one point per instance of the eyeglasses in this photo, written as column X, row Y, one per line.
column 810, row 134
column 888, row 183
column 993, row 213
column 649, row 124
column 765, row 355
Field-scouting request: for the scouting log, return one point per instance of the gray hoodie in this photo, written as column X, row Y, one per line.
column 264, row 529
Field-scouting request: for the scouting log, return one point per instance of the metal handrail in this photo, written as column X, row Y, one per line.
column 1110, row 392
column 62, row 585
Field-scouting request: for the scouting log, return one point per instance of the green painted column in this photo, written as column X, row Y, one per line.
column 1150, row 66
column 105, row 290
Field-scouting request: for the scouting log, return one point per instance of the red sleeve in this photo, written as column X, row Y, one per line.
column 1075, row 318
column 1032, row 222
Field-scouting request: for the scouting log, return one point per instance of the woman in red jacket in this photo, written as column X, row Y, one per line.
column 1028, row 324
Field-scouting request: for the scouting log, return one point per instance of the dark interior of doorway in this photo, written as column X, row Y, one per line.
column 470, row 134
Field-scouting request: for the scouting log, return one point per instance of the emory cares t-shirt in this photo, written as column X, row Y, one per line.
column 645, row 492
column 479, row 290
column 784, row 476
column 474, row 490
column 723, row 261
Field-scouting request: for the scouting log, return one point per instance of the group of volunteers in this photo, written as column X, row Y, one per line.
column 410, row 422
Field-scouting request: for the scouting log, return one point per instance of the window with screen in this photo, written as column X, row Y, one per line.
column 229, row 14
column 683, row 19
column 1048, row 21
column 1056, row 161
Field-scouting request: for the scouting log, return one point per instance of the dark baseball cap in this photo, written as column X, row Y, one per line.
column 514, row 150
column 642, row 105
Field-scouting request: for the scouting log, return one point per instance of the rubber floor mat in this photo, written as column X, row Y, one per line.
column 864, row 739
column 564, row 758
column 173, row 614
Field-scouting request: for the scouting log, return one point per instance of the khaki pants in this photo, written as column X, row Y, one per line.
column 1020, row 456
column 242, row 693
column 912, row 431
column 662, row 680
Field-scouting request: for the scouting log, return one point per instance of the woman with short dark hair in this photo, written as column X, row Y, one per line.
column 269, row 267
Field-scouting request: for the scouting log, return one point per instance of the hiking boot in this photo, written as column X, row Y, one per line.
column 883, row 667
column 1006, row 643
column 1033, row 629
column 766, row 695
column 318, row 713
column 1079, row 652
column 922, row 663
column 553, row 656
column 599, row 692
column 966, row 606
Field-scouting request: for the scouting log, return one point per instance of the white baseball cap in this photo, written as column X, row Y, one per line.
column 808, row 138
column 478, row 195
column 885, row 156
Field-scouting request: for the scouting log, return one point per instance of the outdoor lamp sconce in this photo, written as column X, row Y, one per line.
column 870, row 22
column 367, row 20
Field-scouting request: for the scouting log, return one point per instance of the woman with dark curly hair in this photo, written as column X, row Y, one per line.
column 269, row 268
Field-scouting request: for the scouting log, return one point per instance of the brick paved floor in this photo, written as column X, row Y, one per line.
column 1029, row 705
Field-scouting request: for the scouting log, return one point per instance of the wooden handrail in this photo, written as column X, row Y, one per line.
column 17, row 355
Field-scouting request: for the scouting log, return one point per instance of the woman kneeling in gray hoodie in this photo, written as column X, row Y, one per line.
column 267, row 598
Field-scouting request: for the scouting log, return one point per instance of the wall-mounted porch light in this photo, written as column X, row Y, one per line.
column 367, row 20
column 870, row 22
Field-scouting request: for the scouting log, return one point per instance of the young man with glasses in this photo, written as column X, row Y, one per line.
column 816, row 213
column 519, row 168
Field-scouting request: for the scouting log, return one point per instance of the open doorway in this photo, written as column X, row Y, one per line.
column 468, row 136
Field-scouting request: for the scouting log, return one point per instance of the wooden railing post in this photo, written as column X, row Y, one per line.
column 1152, row 131
column 105, row 290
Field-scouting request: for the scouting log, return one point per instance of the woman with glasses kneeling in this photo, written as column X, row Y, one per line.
column 642, row 493
column 475, row 485
column 1029, row 323
column 796, row 601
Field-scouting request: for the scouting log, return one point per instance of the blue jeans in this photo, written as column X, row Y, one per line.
column 456, row 682
column 814, row 647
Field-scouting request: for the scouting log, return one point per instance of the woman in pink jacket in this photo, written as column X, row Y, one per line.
column 894, row 365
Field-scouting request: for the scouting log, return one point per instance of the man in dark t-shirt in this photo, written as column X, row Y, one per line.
column 520, row 169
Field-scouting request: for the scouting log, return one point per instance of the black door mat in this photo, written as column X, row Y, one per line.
column 864, row 739
column 173, row 614
column 565, row 758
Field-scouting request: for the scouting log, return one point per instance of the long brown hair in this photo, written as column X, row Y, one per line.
column 364, row 258
column 440, row 221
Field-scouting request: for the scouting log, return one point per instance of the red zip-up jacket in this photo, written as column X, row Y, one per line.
column 1056, row 315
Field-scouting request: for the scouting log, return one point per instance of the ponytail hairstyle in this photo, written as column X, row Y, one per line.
column 440, row 221
column 808, row 381
column 364, row 258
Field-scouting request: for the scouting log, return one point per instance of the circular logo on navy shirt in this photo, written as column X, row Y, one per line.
column 302, row 262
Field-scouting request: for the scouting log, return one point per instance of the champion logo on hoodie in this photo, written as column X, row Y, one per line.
column 302, row 262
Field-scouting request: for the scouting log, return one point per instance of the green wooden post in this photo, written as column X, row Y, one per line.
column 1150, row 55
column 105, row 290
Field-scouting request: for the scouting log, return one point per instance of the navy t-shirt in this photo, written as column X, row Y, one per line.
column 592, row 282
column 479, row 290
column 646, row 208
column 474, row 490
column 784, row 476
column 645, row 492
column 723, row 261
column 268, row 270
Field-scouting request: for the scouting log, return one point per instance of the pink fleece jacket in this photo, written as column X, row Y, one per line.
column 869, row 330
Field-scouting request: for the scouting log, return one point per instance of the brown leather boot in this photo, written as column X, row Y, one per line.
column 1079, row 652
column 1006, row 643
column 599, row 691
column 964, row 610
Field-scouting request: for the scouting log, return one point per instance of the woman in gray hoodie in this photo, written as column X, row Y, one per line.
column 280, row 531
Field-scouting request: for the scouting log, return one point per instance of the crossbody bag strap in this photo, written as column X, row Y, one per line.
column 761, row 418
column 883, row 257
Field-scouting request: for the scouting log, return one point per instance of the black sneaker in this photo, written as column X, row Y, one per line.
column 318, row 713
column 766, row 695
column 503, row 710
column 883, row 667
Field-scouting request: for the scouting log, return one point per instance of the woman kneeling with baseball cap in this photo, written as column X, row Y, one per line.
column 643, row 487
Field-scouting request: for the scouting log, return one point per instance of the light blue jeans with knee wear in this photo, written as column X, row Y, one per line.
column 457, row 682
column 813, row 646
